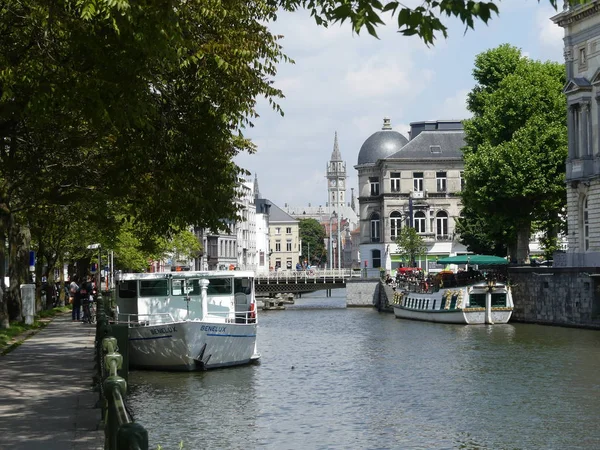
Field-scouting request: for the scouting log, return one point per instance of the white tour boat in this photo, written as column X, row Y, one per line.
column 465, row 297
column 188, row 320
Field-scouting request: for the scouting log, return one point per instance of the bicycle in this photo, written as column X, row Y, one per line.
column 89, row 311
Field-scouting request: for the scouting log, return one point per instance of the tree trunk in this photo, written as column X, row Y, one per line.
column 62, row 300
column 523, row 235
column 19, row 239
column 4, row 322
column 512, row 252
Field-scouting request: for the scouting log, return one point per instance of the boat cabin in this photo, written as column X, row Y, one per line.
column 154, row 297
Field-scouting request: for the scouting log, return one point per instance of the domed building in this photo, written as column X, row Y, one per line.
column 414, row 183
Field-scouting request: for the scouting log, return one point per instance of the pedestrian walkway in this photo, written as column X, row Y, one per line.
column 46, row 397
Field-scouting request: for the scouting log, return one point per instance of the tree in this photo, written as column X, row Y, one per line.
column 142, row 105
column 424, row 21
column 312, row 235
column 410, row 245
column 516, row 149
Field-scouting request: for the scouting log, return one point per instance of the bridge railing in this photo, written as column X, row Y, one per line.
column 312, row 275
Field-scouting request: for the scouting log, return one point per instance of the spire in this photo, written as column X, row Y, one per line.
column 386, row 124
column 256, row 190
column 336, row 155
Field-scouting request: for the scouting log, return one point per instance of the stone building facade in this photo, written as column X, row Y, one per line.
column 582, row 56
column 410, row 183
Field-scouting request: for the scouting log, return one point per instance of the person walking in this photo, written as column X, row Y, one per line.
column 74, row 294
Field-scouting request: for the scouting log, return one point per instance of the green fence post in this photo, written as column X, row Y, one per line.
column 132, row 436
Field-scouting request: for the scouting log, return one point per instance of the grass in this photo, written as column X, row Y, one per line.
column 17, row 332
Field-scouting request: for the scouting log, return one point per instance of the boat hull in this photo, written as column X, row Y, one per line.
column 192, row 345
column 475, row 316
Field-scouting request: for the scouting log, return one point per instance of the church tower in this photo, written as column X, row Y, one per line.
column 336, row 178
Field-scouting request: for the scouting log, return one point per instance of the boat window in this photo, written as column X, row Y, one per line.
column 184, row 287
column 477, row 300
column 128, row 289
column 243, row 285
column 154, row 288
column 498, row 299
column 219, row 286
column 433, row 307
column 177, row 287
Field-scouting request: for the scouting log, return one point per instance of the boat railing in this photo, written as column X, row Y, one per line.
column 143, row 320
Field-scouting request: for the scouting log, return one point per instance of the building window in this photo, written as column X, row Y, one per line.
column 395, row 224
column 374, row 182
column 441, row 225
column 586, row 226
column 395, row 181
column 375, row 224
column 418, row 181
column 440, row 178
column 462, row 181
column 288, row 245
column 277, row 230
column 288, row 230
column 376, row 257
column 582, row 57
column 278, row 246
column 420, row 222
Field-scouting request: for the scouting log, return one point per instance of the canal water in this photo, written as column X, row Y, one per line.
column 338, row 378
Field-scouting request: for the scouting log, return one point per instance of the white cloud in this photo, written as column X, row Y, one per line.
column 455, row 107
column 550, row 35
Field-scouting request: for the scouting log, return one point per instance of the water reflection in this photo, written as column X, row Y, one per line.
column 334, row 378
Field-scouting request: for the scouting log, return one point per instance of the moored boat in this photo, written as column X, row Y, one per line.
column 465, row 297
column 188, row 320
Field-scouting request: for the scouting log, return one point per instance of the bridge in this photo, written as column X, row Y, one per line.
column 297, row 282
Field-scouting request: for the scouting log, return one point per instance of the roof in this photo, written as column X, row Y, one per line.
column 279, row 215
column 433, row 145
column 381, row 144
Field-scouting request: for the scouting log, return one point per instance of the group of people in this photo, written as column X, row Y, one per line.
column 81, row 295
column 304, row 265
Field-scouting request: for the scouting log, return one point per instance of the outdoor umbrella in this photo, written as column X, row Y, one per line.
column 483, row 260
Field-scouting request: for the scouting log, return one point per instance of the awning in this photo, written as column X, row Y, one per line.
column 440, row 248
column 484, row 260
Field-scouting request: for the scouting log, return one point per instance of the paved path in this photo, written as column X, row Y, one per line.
column 46, row 397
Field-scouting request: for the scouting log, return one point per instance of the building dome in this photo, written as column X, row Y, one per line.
column 381, row 144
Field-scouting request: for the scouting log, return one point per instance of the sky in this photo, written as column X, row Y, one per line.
column 347, row 83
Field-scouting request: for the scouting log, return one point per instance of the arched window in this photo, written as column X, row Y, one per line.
column 420, row 222
column 376, row 258
column 395, row 224
column 375, row 225
column 441, row 225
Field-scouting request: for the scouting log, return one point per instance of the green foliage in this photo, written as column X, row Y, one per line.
column 424, row 20
column 516, row 150
column 312, row 234
column 410, row 245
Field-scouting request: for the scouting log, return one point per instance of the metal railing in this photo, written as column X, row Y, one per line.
column 312, row 275
column 120, row 431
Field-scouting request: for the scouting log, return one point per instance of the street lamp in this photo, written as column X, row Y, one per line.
column 99, row 271
column 339, row 243
column 331, row 252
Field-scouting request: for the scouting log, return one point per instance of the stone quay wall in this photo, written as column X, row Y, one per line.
column 363, row 292
column 564, row 296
